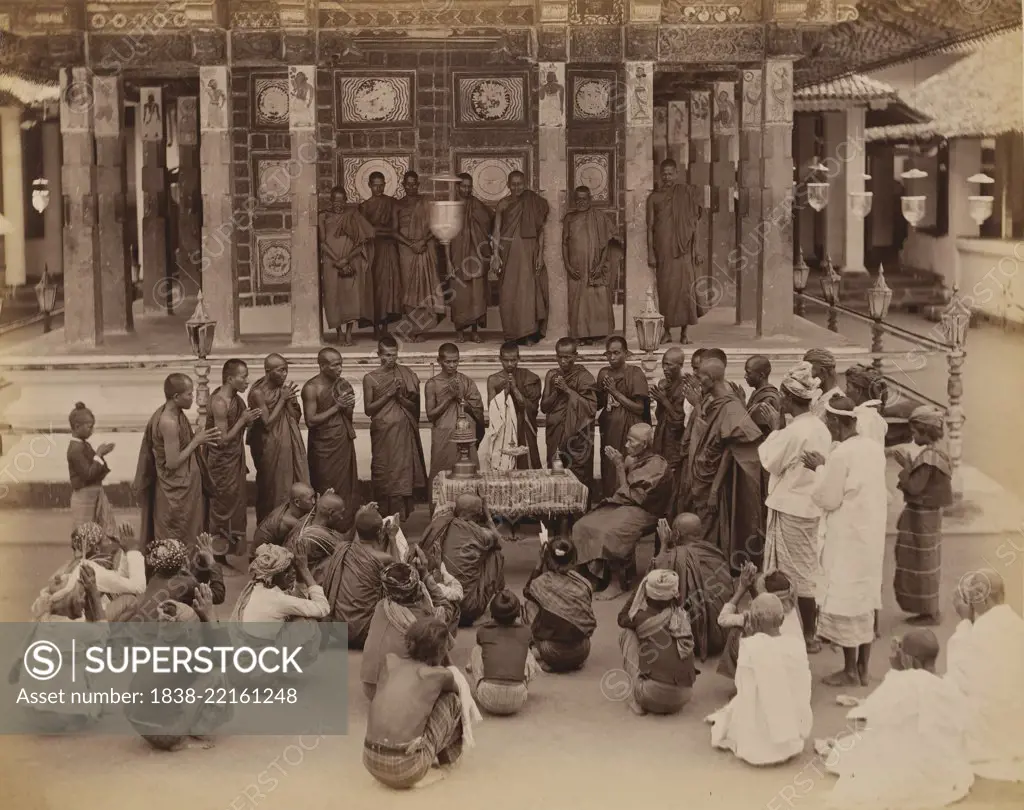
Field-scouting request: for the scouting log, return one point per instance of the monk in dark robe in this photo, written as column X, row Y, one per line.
column 391, row 397
column 624, row 400
column 327, row 404
column 724, row 472
column 276, row 440
column 606, row 537
column 422, row 302
column 275, row 527
column 385, row 273
column 670, row 416
column 169, row 479
column 672, row 215
column 570, row 404
column 705, row 579
column 586, row 238
column 470, row 255
column 320, row 533
column 445, row 396
column 523, row 278
column 467, row 542
column 352, row 575
column 523, row 388
column 756, row 373
column 226, row 460
column 346, row 257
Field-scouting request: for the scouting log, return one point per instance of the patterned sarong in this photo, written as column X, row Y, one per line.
column 918, row 560
column 847, row 631
column 562, row 657
column 791, row 546
column 501, row 698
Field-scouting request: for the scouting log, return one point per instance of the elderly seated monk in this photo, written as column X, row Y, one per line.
column 985, row 660
column 606, row 537
column 276, row 526
column 467, row 542
column 352, row 575
column 705, row 581
column 173, row 576
column 321, row 531
column 559, row 608
column 407, row 598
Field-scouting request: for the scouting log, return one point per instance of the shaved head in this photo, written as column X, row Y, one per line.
column 759, row 364
column 675, row 355
column 982, row 589
column 468, row 505
column 713, row 368
column 326, row 356
column 274, row 361
column 686, row 526
column 642, row 432
column 922, row 645
column 300, row 492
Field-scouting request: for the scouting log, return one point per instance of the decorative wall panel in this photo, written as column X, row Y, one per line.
column 592, row 97
column 380, row 100
column 273, row 261
column 596, row 12
column 356, row 171
column 273, row 180
column 595, row 169
column 490, row 171
column 270, row 102
column 490, row 101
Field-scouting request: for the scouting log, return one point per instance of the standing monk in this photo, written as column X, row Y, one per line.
column 391, row 397
column 624, row 400
column 519, row 261
column 570, row 404
column 586, row 236
column 670, row 396
column 276, row 440
column 327, row 402
column 417, row 256
column 756, row 373
column 445, row 394
column 470, row 254
column 169, row 478
column 346, row 253
column 386, row 277
column 226, row 460
column 672, row 215
column 513, row 398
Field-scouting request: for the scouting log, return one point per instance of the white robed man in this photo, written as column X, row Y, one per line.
column 851, row 490
column 823, row 366
column 791, row 545
column 985, row 660
column 770, row 718
column 910, row 753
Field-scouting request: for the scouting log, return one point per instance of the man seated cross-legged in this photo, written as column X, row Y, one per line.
column 501, row 663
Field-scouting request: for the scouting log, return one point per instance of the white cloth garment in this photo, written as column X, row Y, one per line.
column 852, row 492
column 818, row 408
column 911, row 755
column 470, row 711
column 790, row 483
column 731, row 617
column 870, row 422
column 985, row 660
column 272, row 606
column 770, row 717
column 502, row 435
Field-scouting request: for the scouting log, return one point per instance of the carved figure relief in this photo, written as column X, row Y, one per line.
column 779, row 109
column 375, row 100
column 551, row 104
column 490, row 173
column 725, row 120
column 302, row 110
column 639, row 94
column 75, row 99
column 356, row 171
column 187, row 123
column 152, row 113
column 491, row 100
column 106, row 107
column 678, row 122
column 592, row 98
column 214, row 99
column 593, row 170
column 700, row 114
column 271, row 102
column 273, row 260
column 753, row 96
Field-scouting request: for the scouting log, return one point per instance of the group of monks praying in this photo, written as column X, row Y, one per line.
column 768, row 513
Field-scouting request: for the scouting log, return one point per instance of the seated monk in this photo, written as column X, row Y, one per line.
column 705, row 581
column 468, row 544
column 606, row 537
column 173, row 576
column 275, row 527
column 407, row 598
column 321, row 532
column 985, row 660
column 422, row 712
column 657, row 646
column 352, row 575
column 769, row 719
column 559, row 607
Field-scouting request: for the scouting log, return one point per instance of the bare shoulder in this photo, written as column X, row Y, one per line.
column 501, row 206
column 168, row 421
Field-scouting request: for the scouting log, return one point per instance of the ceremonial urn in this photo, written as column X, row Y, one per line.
column 913, row 209
column 650, row 329
column 446, row 215
column 464, row 438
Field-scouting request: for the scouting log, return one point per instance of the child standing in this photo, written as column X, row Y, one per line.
column 501, row 663
column 87, row 467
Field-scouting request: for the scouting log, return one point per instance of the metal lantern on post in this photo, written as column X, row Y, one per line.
column 879, row 299
column 650, row 329
column 446, row 215
column 46, row 296
column 980, row 205
column 913, row 205
column 817, row 191
column 801, row 273
column 200, row 329
column 954, row 322
column 40, row 194
column 860, row 201
column 830, row 284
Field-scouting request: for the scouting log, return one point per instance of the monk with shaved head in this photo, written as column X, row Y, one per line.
column 275, row 440
column 606, row 537
column 320, row 533
column 275, row 528
column 327, row 402
column 669, row 396
column 765, row 401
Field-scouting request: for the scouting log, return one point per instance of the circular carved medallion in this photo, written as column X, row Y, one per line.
column 592, row 99
column 491, row 100
column 358, row 171
column 376, row 100
column 277, row 264
column 592, row 172
column 272, row 103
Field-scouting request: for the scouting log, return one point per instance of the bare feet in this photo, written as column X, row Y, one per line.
column 476, row 338
column 635, row 707
column 667, row 337
column 613, row 591
column 461, row 338
column 864, row 678
column 841, row 678
column 925, row 620
column 813, row 646
column 682, row 336
column 434, row 775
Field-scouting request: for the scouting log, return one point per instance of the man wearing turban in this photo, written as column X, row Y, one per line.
column 823, row 366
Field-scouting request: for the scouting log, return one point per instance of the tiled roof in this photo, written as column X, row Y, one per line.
column 854, row 87
column 979, row 96
column 27, row 91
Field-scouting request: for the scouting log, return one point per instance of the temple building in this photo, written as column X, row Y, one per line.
column 189, row 144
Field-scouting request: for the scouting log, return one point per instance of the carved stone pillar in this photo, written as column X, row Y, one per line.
column 835, row 212
column 188, row 250
column 551, row 154
column 660, row 135
column 83, row 299
column 679, row 135
column 158, row 294
column 111, row 190
column 13, row 195
column 775, row 281
column 853, row 157
column 748, row 253
column 700, row 175
column 639, row 183
column 724, row 130
column 305, row 276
